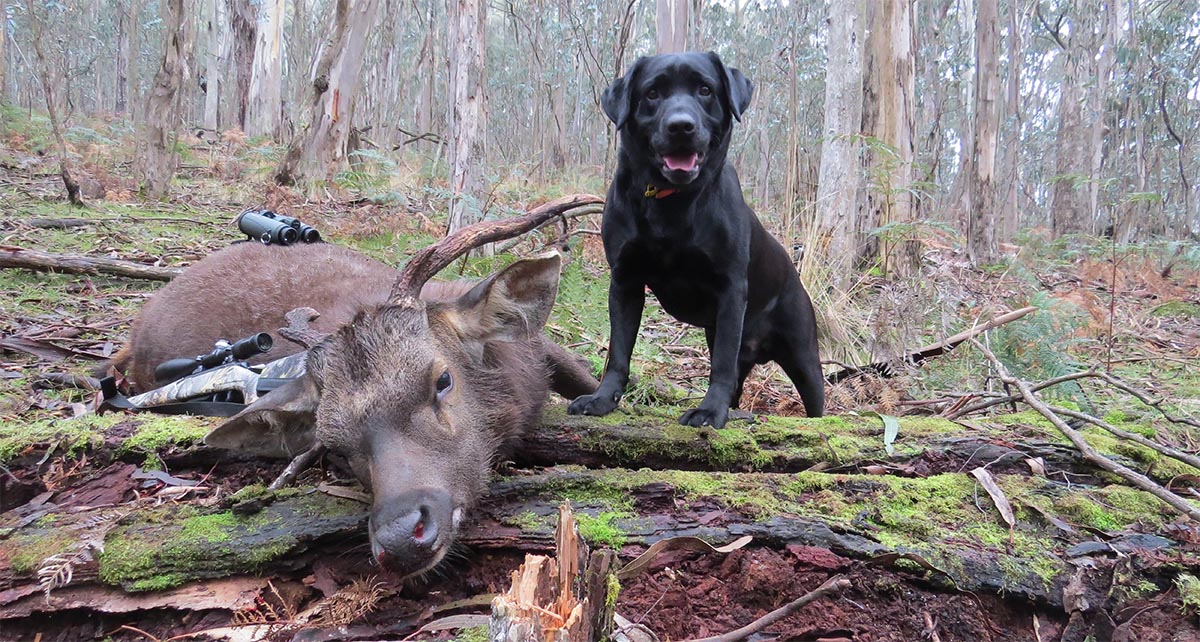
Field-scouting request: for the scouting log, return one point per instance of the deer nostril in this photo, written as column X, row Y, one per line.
column 419, row 530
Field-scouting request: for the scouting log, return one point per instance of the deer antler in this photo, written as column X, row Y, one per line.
column 298, row 331
column 431, row 260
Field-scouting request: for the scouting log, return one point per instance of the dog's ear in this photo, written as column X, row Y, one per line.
column 618, row 98
column 738, row 88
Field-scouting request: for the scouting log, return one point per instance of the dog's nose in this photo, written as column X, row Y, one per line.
column 681, row 124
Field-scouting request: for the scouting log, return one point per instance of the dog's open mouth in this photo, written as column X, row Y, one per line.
column 681, row 161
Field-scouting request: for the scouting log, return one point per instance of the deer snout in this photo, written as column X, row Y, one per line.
column 410, row 532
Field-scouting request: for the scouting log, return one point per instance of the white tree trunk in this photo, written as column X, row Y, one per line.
column 671, row 21
column 837, row 184
column 981, row 217
column 468, row 121
column 215, row 52
column 888, row 117
column 320, row 150
column 266, row 89
column 157, row 160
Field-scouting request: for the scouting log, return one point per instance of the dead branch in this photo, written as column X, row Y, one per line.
column 834, row 584
column 17, row 257
column 887, row 369
column 1135, row 478
column 1161, row 449
column 301, row 463
column 1003, row 399
column 1145, row 398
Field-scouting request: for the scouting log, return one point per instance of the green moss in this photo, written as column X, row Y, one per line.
column 158, row 432
column 1185, row 309
column 1189, row 592
column 473, row 634
column 69, row 435
column 601, row 530
column 26, row 551
column 527, row 521
column 209, row 528
column 612, row 591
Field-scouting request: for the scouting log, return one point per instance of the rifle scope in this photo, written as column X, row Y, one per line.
column 223, row 353
column 267, row 229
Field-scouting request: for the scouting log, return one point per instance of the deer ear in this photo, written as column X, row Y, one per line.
column 282, row 423
column 512, row 304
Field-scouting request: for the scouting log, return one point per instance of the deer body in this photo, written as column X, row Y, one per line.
column 417, row 393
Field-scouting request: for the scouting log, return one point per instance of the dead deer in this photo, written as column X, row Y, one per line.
column 418, row 386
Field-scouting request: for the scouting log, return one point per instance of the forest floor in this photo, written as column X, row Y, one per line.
column 126, row 527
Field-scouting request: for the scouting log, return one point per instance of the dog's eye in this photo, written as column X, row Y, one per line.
column 444, row 384
column 705, row 90
column 652, row 94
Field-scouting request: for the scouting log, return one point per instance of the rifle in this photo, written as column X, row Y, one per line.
column 222, row 388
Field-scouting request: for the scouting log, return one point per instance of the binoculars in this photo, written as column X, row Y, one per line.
column 270, row 228
column 223, row 353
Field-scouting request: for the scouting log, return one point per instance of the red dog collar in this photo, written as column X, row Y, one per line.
column 654, row 191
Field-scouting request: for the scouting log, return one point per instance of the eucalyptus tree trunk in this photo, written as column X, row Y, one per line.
column 888, row 118
column 837, row 184
column 319, row 150
column 1008, row 220
column 43, row 73
column 215, row 51
column 243, row 29
column 3, row 53
column 266, row 76
column 1070, row 204
column 671, row 21
column 981, row 216
column 156, row 162
column 468, row 111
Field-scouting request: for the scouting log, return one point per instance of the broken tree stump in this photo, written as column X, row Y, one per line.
column 565, row 598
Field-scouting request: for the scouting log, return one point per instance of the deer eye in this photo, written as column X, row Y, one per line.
column 444, row 384
column 652, row 94
column 705, row 90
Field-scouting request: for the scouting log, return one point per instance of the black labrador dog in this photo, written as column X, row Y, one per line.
column 675, row 221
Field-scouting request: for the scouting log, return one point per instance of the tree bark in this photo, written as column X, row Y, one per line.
column 215, row 51
column 671, row 21
column 1009, row 220
column 319, row 151
column 1070, row 206
column 43, row 72
column 4, row 54
column 121, row 99
column 266, row 76
column 837, row 185
column 156, row 164
column 981, row 217
column 888, row 118
column 243, row 28
column 468, row 111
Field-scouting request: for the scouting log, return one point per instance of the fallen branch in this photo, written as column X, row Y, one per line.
column 301, row 463
column 888, row 369
column 16, row 257
column 1135, row 478
column 834, row 584
column 1161, row 449
column 1003, row 399
column 1145, row 398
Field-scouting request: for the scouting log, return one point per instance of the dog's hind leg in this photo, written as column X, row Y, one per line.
column 797, row 355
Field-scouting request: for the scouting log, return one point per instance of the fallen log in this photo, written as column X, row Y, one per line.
column 22, row 258
column 144, row 547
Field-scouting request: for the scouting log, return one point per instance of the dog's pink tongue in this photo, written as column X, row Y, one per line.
column 681, row 162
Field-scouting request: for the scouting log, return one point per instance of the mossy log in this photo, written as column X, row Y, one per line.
column 942, row 519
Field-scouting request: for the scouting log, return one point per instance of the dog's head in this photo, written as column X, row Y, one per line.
column 676, row 111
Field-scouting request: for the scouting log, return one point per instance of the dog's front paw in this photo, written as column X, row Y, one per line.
column 595, row 405
column 705, row 417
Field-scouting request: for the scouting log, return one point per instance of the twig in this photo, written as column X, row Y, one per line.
column 885, row 369
column 1135, row 478
column 301, row 463
column 66, row 380
column 834, row 584
column 1161, row 449
column 998, row 400
column 1144, row 397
